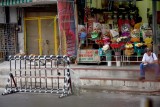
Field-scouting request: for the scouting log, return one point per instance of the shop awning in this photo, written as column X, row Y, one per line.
column 13, row 2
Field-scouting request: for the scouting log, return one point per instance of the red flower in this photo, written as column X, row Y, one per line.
column 117, row 46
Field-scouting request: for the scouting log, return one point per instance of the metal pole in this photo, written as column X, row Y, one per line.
column 20, row 73
column 154, row 25
column 10, row 59
column 45, row 74
column 15, row 68
column 39, row 68
column 25, row 74
column 35, row 77
column 30, row 73
column 58, row 73
column 51, row 59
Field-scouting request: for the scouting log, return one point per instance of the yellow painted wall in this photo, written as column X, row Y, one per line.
column 143, row 5
column 158, row 5
column 94, row 3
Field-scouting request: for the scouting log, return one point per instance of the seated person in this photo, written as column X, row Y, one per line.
column 149, row 60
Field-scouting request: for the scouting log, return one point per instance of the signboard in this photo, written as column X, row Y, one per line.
column 88, row 56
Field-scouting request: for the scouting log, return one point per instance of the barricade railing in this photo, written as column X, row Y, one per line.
column 43, row 74
column 108, row 60
column 121, row 60
column 131, row 59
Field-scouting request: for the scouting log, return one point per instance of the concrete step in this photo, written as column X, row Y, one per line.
column 122, row 73
column 126, row 82
column 130, row 90
column 92, row 76
column 121, row 80
column 125, row 85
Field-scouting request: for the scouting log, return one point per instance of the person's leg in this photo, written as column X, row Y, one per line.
column 142, row 71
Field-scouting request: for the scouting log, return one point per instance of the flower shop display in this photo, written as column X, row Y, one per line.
column 122, row 39
column 138, row 44
column 96, row 31
column 138, row 48
column 135, row 39
column 105, row 48
column 148, row 32
column 125, row 30
column 117, row 47
column 135, row 36
column 82, row 34
column 114, row 32
column 106, row 40
column 129, row 49
column 95, row 35
column 128, row 45
column 148, row 42
column 99, row 42
column 107, row 52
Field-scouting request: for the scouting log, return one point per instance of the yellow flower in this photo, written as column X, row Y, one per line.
column 148, row 40
column 128, row 45
column 139, row 44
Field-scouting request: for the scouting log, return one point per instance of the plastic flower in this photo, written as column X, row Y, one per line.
column 105, row 47
column 135, row 39
column 106, row 40
column 135, row 33
column 118, row 39
column 139, row 44
column 148, row 40
column 117, row 46
column 124, row 38
column 129, row 45
column 100, row 42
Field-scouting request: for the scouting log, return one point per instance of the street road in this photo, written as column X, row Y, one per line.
column 85, row 99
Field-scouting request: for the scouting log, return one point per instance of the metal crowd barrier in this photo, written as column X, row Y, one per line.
column 43, row 74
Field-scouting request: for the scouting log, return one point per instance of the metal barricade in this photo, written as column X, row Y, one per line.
column 43, row 74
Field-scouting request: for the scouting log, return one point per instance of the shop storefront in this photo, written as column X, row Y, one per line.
column 114, row 30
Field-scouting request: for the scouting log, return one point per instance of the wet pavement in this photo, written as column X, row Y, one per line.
column 85, row 99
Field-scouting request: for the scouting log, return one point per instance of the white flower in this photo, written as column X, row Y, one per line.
column 118, row 39
column 105, row 47
column 124, row 37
